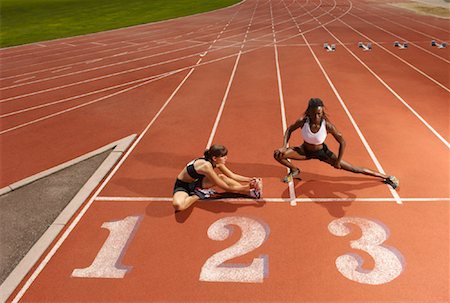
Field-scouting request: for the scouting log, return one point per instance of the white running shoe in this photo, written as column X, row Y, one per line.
column 204, row 193
column 255, row 193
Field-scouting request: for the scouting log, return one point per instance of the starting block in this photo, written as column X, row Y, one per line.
column 365, row 47
column 401, row 45
column 439, row 45
column 329, row 47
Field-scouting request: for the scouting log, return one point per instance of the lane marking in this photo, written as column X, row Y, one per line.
column 291, row 187
column 230, row 81
column 401, row 38
column 77, row 219
column 272, row 200
column 398, row 57
column 34, row 254
column 349, row 115
column 114, row 64
column 441, row 138
column 157, row 77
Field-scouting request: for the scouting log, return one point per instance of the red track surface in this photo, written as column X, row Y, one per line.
column 221, row 78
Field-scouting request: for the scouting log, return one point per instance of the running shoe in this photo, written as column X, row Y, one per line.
column 255, row 193
column 293, row 174
column 392, row 181
column 204, row 193
column 258, row 183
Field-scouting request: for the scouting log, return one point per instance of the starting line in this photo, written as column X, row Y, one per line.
column 271, row 200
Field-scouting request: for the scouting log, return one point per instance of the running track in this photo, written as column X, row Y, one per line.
column 238, row 76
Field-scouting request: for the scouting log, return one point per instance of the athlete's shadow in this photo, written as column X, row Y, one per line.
column 316, row 189
column 217, row 206
column 161, row 209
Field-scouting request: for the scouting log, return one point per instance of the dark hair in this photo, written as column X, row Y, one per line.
column 315, row 103
column 215, row 150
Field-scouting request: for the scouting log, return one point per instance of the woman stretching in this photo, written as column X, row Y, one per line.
column 314, row 127
column 194, row 182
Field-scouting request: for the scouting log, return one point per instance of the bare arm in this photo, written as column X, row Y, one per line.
column 227, row 172
column 287, row 134
column 208, row 170
column 340, row 139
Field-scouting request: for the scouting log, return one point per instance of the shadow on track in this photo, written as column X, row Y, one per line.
column 337, row 188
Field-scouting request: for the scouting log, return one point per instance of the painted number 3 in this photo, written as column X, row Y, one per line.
column 388, row 264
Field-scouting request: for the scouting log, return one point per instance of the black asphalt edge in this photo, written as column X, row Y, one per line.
column 35, row 253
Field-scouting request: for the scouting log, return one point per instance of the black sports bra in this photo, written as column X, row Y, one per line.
column 191, row 170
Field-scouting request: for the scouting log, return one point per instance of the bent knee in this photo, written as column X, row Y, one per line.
column 278, row 154
column 178, row 205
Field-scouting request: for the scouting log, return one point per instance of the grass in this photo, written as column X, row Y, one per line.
column 419, row 8
column 26, row 21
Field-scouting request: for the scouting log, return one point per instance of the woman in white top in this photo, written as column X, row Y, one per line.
column 314, row 127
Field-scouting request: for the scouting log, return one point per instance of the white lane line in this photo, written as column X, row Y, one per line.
column 397, row 24
column 441, row 138
column 230, row 81
column 397, row 15
column 24, row 79
column 274, row 200
column 61, row 69
column 113, row 64
column 400, row 38
column 77, row 219
column 33, row 255
column 154, row 78
column 81, row 105
column 349, row 115
column 292, row 193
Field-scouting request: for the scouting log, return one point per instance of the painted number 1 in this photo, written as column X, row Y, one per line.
column 107, row 263
column 388, row 264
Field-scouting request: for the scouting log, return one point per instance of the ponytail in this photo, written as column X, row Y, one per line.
column 215, row 151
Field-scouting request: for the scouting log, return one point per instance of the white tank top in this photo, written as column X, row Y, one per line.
column 314, row 138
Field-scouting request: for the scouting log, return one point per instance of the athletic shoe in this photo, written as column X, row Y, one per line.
column 204, row 193
column 258, row 183
column 293, row 174
column 259, row 186
column 392, row 181
column 255, row 193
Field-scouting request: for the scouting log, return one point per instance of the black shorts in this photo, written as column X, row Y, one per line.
column 323, row 154
column 187, row 187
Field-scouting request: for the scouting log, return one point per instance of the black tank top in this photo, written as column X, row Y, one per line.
column 191, row 170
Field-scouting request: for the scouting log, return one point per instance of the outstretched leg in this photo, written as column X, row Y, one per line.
column 230, row 182
column 391, row 180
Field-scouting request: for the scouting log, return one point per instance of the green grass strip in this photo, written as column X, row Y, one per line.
column 26, row 21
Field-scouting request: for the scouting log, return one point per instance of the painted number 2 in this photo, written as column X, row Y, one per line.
column 254, row 234
column 388, row 264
